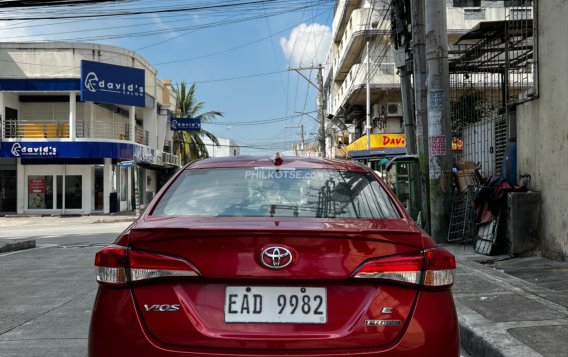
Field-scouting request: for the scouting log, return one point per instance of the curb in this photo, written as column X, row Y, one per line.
column 110, row 220
column 15, row 245
column 475, row 344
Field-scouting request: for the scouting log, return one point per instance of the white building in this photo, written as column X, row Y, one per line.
column 62, row 155
column 227, row 147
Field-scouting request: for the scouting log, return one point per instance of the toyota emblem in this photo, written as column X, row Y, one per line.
column 276, row 257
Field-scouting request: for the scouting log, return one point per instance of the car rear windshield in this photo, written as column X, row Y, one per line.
column 269, row 192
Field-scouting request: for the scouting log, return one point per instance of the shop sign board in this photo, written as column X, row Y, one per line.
column 108, row 83
column 378, row 142
column 36, row 186
column 125, row 164
column 76, row 150
column 185, row 124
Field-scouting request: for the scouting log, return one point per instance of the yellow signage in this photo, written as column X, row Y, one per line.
column 378, row 141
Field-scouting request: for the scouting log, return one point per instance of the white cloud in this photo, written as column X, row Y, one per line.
column 307, row 45
column 20, row 34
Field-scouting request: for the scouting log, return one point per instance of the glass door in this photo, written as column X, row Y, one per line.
column 8, row 191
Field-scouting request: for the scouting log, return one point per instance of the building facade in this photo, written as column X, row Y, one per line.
column 362, row 51
column 542, row 130
column 63, row 154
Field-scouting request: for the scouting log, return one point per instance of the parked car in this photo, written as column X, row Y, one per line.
column 283, row 256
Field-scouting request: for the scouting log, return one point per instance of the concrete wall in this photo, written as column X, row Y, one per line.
column 542, row 129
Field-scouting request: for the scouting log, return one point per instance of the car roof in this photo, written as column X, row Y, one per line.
column 288, row 162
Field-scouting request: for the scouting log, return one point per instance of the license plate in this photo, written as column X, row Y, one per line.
column 275, row 304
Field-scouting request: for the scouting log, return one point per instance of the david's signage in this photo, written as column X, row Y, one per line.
column 185, row 124
column 107, row 83
column 24, row 151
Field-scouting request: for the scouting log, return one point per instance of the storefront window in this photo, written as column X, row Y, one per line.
column 73, row 192
column 40, row 192
column 123, row 184
column 59, row 192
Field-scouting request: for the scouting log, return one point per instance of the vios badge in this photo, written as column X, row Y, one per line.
column 276, row 257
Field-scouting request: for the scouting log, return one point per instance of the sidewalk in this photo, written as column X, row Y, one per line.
column 8, row 245
column 511, row 306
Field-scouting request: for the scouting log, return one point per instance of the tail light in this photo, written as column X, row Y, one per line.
column 111, row 265
column 117, row 265
column 434, row 268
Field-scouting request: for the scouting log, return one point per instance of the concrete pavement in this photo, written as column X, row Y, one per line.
column 511, row 306
column 8, row 244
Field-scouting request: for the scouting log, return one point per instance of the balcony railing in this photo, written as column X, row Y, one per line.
column 59, row 129
column 36, row 129
column 359, row 27
column 382, row 76
column 170, row 159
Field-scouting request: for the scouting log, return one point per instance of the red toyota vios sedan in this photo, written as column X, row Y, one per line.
column 259, row 256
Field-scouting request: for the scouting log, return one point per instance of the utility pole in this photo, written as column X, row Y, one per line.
column 439, row 135
column 421, row 105
column 321, row 111
column 368, row 121
column 321, row 100
column 400, row 18
column 302, row 147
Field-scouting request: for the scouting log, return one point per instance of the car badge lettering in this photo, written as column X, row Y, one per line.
column 276, row 257
column 382, row 322
column 162, row 308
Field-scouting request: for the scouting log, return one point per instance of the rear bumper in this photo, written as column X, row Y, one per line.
column 432, row 331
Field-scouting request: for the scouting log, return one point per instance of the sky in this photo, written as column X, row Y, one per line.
column 237, row 52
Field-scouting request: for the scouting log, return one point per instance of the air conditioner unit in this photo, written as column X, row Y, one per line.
column 394, row 109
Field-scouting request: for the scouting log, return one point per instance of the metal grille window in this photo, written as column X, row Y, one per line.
column 467, row 3
column 517, row 3
column 491, row 71
column 474, row 14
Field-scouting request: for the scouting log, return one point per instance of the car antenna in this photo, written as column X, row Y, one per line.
column 277, row 159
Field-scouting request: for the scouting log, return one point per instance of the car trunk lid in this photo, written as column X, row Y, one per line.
column 240, row 301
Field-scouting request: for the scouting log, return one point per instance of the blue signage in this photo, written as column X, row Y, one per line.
column 126, row 164
column 77, row 150
column 185, row 124
column 108, row 83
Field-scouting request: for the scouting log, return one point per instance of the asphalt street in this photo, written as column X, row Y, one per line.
column 48, row 292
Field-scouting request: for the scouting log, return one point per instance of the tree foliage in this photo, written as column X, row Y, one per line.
column 189, row 144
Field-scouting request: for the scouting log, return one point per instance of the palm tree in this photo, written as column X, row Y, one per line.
column 189, row 144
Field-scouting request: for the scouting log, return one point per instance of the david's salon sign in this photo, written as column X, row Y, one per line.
column 107, row 83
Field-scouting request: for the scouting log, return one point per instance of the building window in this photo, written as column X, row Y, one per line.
column 474, row 14
column 520, row 14
column 517, row 3
column 467, row 3
column 386, row 68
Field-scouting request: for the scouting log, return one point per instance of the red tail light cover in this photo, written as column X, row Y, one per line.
column 438, row 267
column 116, row 265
